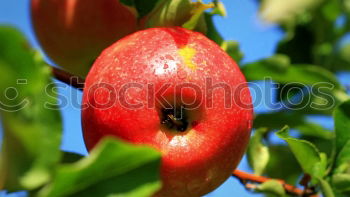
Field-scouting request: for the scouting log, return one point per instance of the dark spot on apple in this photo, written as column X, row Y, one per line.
column 175, row 118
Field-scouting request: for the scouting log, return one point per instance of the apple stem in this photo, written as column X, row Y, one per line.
column 247, row 179
column 68, row 78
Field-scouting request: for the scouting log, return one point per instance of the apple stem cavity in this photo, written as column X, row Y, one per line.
column 175, row 118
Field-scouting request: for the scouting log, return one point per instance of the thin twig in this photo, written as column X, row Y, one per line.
column 247, row 178
column 67, row 78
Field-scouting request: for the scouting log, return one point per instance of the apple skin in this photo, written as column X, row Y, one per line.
column 198, row 160
column 74, row 32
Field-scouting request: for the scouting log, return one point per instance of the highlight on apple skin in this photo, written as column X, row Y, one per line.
column 179, row 92
column 74, row 32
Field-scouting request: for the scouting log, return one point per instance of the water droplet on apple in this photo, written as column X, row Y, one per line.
column 181, row 74
column 169, row 57
column 166, row 66
column 250, row 124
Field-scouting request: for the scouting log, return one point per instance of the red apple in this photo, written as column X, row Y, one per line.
column 74, row 32
column 179, row 92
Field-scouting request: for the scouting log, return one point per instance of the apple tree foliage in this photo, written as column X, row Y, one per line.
column 309, row 56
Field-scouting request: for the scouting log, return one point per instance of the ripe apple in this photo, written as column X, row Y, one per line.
column 179, row 92
column 74, row 32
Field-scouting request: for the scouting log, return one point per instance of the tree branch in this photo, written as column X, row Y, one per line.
column 67, row 78
column 247, row 179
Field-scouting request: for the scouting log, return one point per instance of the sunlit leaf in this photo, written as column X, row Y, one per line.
column 113, row 168
column 310, row 159
column 197, row 15
column 178, row 13
column 258, row 153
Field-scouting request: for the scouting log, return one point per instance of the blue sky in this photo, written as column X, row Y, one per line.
column 242, row 24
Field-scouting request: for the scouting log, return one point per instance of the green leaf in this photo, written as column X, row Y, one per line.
column 232, row 48
column 32, row 131
column 294, row 120
column 297, row 44
column 279, row 69
column 178, row 13
column 219, row 9
column 343, row 159
column 311, row 161
column 342, row 124
column 277, row 11
column 258, row 153
column 142, row 7
column 341, row 59
column 197, row 15
column 331, row 10
column 281, row 155
column 288, row 91
column 212, row 32
column 327, row 190
column 341, row 182
column 113, row 168
column 69, row 157
column 272, row 187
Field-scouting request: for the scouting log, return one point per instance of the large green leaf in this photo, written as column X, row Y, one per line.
column 310, row 159
column 342, row 124
column 32, row 130
column 279, row 69
column 114, row 168
column 258, row 153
